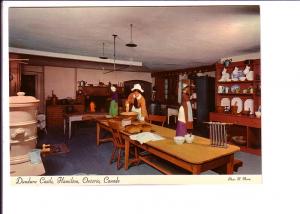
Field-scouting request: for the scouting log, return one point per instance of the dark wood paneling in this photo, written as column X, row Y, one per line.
column 160, row 88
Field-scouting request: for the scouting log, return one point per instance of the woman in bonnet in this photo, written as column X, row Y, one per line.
column 138, row 102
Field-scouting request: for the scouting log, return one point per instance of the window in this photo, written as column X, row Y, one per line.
column 166, row 89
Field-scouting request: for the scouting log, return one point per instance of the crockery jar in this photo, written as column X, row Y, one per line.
column 23, row 126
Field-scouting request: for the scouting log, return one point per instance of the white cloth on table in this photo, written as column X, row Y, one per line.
column 145, row 137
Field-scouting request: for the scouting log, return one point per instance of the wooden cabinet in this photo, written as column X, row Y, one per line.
column 167, row 90
column 244, row 125
column 55, row 114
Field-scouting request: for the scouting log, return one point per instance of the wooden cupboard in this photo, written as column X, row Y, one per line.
column 248, row 126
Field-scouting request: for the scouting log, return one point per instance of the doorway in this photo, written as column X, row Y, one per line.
column 28, row 83
column 32, row 83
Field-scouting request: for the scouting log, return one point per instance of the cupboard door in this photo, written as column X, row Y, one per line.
column 173, row 90
column 205, row 102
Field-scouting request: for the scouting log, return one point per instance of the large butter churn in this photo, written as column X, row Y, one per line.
column 23, row 126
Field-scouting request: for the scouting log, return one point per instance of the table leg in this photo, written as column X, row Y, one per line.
column 97, row 134
column 127, row 145
column 229, row 165
column 70, row 128
column 196, row 170
column 64, row 126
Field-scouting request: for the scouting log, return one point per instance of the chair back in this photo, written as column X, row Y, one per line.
column 115, row 127
column 157, row 118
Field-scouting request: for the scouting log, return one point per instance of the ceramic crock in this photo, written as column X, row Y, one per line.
column 23, row 126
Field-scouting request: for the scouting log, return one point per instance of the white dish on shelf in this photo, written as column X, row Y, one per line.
column 237, row 101
column 242, row 78
column 225, row 101
column 249, row 104
column 250, row 75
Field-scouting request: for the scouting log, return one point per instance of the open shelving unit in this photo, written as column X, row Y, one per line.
column 247, row 125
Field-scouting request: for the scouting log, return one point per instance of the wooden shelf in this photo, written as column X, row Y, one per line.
column 236, row 82
column 236, row 94
column 248, row 126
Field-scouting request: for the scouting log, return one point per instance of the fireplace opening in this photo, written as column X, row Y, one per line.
column 101, row 103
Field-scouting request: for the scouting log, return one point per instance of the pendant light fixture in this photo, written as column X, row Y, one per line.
column 103, row 56
column 115, row 36
column 131, row 44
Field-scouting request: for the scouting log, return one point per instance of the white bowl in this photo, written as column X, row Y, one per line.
column 189, row 138
column 242, row 78
column 258, row 114
column 179, row 140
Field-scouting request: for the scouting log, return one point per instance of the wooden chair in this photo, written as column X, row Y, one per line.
column 157, row 118
column 118, row 143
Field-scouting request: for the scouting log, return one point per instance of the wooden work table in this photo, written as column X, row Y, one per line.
column 195, row 158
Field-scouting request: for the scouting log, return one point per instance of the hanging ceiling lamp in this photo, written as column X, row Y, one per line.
column 131, row 44
column 103, row 56
column 115, row 36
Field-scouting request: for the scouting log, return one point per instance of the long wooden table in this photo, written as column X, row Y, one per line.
column 195, row 158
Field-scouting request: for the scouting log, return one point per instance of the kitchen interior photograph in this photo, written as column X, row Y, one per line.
column 135, row 90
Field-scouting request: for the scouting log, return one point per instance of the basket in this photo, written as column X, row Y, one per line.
column 129, row 115
column 239, row 140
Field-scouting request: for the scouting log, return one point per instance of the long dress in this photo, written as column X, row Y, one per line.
column 185, row 117
column 113, row 107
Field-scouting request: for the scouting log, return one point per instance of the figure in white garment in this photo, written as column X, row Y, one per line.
column 185, row 113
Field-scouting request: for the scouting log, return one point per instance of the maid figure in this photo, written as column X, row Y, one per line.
column 113, row 108
column 185, row 113
column 138, row 102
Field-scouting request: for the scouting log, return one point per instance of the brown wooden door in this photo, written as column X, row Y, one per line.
column 173, row 90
